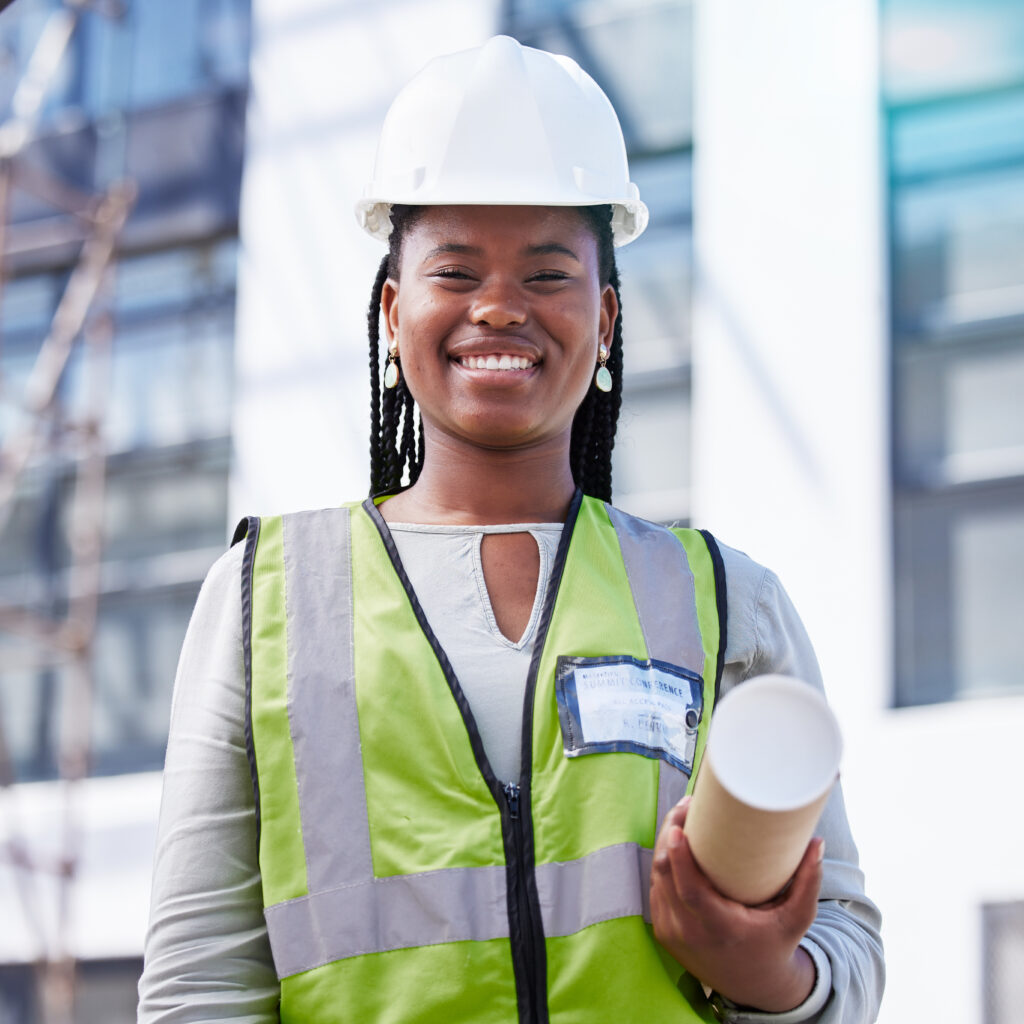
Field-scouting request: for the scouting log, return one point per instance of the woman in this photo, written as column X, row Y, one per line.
column 418, row 712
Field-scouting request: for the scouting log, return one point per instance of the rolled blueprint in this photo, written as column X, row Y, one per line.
column 771, row 760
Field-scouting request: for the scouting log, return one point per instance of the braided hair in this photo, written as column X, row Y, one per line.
column 396, row 429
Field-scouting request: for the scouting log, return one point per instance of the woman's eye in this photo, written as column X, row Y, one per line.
column 549, row 275
column 452, row 272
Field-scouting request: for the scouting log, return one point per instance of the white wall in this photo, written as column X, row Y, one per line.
column 791, row 449
column 323, row 75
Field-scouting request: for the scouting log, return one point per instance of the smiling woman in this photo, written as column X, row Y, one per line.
column 429, row 760
column 481, row 286
column 546, row 268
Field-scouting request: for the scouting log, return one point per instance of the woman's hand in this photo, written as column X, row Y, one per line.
column 750, row 955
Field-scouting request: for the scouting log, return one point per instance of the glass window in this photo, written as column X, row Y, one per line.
column 954, row 75
column 28, row 303
column 947, row 137
column 171, row 381
column 105, row 992
column 174, row 502
column 934, row 47
column 137, row 641
column 29, row 544
column 639, row 53
column 164, row 512
column 177, row 72
column 959, row 247
column 17, row 994
column 958, row 414
column 171, row 374
column 651, row 460
column 656, row 292
column 179, row 277
column 155, row 53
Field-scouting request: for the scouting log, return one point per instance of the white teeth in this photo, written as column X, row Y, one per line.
column 494, row 362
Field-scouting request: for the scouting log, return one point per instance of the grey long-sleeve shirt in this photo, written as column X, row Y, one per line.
column 207, row 954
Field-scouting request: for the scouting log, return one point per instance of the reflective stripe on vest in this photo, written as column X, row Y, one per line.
column 325, row 903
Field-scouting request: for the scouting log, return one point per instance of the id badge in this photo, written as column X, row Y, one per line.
column 618, row 703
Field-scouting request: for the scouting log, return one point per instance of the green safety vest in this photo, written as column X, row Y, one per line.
column 402, row 881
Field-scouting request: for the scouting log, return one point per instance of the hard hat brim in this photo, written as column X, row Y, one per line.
column 629, row 216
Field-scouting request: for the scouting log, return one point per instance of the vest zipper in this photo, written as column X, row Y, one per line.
column 512, row 795
column 525, row 943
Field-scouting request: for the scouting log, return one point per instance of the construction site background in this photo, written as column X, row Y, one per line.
column 121, row 150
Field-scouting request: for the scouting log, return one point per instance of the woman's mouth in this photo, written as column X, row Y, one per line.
column 496, row 361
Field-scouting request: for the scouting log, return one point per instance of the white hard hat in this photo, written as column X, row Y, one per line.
column 504, row 125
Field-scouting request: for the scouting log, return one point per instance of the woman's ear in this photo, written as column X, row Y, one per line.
column 609, row 313
column 389, row 305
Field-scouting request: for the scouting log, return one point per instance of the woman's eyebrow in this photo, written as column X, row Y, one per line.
column 453, row 249
column 457, row 249
column 550, row 249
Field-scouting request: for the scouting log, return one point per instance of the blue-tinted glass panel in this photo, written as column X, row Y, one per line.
column 954, row 46
column 666, row 186
column 169, row 381
column 177, row 502
column 960, row 559
column 137, row 641
column 640, row 54
column 958, row 137
column 27, row 303
column 656, row 296
column 954, row 85
column 180, row 277
column 958, row 414
column 958, row 252
column 157, row 52
column 651, row 459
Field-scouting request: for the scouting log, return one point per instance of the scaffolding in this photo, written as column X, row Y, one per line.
column 57, row 633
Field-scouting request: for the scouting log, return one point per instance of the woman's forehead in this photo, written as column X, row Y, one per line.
column 501, row 228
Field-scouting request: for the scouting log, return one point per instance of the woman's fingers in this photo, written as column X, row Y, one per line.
column 676, row 816
column 699, row 909
column 798, row 905
column 746, row 953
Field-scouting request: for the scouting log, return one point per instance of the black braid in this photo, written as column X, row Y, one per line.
column 396, row 429
column 419, row 447
column 373, row 330
column 407, row 453
column 593, row 429
column 394, row 450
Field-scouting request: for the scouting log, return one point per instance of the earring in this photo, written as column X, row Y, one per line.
column 603, row 377
column 391, row 373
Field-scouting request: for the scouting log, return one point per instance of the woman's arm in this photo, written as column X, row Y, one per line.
column 766, row 636
column 207, row 954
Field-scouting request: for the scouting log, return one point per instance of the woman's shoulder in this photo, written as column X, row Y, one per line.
column 748, row 582
column 224, row 575
column 764, row 631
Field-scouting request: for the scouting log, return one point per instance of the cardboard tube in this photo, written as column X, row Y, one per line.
column 771, row 761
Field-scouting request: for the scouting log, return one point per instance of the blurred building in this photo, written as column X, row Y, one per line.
column 152, row 94
column 825, row 341
column 858, row 337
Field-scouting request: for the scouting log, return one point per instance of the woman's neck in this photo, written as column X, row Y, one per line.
column 471, row 486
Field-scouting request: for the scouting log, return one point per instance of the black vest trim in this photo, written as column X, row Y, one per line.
column 249, row 529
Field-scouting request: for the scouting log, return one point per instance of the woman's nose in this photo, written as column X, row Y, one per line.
column 498, row 303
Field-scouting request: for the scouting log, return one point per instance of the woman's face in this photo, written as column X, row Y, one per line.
column 498, row 315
